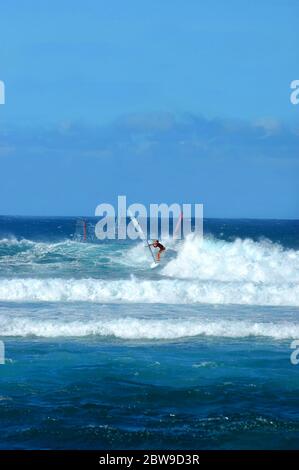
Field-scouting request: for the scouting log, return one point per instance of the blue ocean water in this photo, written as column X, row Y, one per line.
column 104, row 353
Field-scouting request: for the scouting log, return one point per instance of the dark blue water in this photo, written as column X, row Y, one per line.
column 103, row 352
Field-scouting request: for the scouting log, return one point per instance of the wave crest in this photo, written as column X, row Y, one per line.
column 241, row 260
column 135, row 328
column 165, row 291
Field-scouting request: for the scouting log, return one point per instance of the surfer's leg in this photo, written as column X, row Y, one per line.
column 159, row 253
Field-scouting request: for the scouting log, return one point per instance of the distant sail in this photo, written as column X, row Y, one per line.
column 81, row 230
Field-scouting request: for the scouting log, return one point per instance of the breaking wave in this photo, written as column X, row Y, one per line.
column 136, row 328
column 210, row 271
column 241, row 261
column 166, row 291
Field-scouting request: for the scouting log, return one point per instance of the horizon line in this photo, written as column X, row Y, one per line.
column 95, row 217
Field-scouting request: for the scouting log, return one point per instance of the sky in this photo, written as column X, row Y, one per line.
column 161, row 101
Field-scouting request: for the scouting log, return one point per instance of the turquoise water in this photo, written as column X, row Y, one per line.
column 102, row 352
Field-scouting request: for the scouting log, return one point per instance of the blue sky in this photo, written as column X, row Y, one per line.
column 163, row 101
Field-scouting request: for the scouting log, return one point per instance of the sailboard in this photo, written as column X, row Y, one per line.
column 142, row 235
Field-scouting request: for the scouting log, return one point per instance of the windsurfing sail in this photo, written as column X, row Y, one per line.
column 81, row 230
column 142, row 235
column 178, row 227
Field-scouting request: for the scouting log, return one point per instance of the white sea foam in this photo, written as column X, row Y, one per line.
column 136, row 328
column 241, row 260
column 169, row 291
column 212, row 271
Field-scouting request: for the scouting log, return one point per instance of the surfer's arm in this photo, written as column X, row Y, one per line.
column 148, row 245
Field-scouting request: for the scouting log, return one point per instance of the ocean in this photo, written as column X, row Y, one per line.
column 101, row 352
